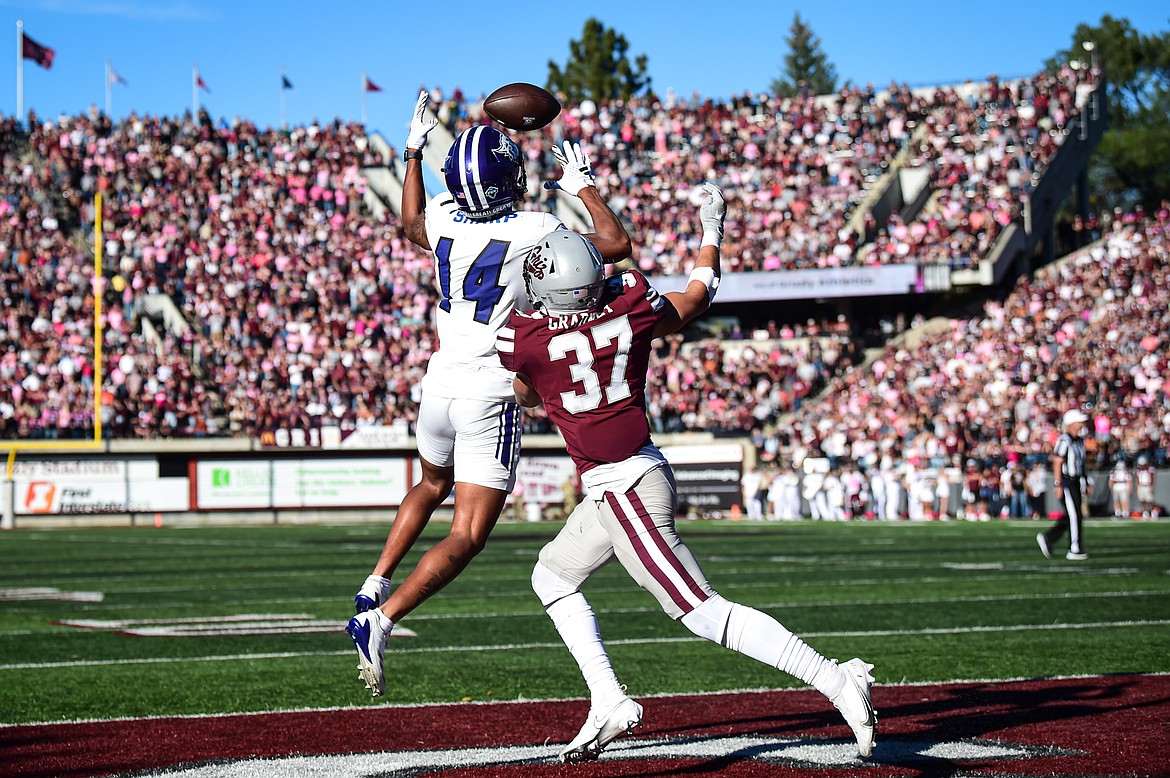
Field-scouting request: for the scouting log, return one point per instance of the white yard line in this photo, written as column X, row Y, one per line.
column 535, row 612
column 559, row 645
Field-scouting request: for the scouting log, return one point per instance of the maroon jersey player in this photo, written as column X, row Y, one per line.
column 584, row 352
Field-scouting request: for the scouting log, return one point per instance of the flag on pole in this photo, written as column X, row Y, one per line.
column 42, row 55
column 285, row 83
column 199, row 82
column 371, row 86
column 113, row 77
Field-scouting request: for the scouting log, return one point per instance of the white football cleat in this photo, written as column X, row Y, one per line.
column 602, row 728
column 856, row 706
column 374, row 592
column 369, row 639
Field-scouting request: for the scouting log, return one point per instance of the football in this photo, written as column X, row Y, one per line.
column 522, row 106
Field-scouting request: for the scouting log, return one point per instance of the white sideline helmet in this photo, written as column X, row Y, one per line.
column 564, row 273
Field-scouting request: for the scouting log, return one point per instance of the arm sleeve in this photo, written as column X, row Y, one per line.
column 1061, row 449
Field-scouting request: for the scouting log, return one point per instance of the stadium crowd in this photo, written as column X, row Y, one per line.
column 796, row 170
column 1088, row 332
column 304, row 311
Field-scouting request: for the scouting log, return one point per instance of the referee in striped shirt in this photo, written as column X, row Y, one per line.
column 1068, row 470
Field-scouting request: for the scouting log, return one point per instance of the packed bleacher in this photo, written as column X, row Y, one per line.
column 794, row 171
column 1088, row 332
column 305, row 311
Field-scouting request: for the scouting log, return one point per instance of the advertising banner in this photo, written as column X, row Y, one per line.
column 707, row 476
column 64, row 495
column 543, row 478
column 300, row 483
column 811, row 284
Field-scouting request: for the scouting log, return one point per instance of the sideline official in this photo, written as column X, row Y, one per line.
column 1068, row 471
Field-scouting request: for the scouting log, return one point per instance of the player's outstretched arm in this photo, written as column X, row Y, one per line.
column 704, row 278
column 414, row 193
column 609, row 236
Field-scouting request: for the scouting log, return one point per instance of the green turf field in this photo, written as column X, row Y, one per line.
column 929, row 602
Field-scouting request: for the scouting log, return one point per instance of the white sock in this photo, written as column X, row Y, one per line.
column 758, row 635
column 385, row 623
column 577, row 625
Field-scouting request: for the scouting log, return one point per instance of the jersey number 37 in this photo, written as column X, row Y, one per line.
column 582, row 347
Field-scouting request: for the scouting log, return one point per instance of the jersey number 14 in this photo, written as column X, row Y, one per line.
column 481, row 285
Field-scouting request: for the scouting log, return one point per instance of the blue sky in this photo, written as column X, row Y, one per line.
column 715, row 48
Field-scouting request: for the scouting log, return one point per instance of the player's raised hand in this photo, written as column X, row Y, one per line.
column 420, row 125
column 577, row 173
column 712, row 209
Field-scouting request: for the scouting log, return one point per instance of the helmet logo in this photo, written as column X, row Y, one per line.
column 535, row 264
column 507, row 149
column 491, row 191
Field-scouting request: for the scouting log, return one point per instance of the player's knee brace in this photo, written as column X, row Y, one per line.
column 709, row 620
column 549, row 586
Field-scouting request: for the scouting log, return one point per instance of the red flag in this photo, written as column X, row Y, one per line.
column 371, row 86
column 42, row 55
column 199, row 82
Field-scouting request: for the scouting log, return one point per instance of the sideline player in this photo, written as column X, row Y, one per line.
column 584, row 351
column 468, row 429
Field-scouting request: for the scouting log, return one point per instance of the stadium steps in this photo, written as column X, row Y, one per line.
column 909, row 339
column 887, row 189
column 384, row 183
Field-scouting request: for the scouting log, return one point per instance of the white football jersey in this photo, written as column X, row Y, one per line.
column 479, row 267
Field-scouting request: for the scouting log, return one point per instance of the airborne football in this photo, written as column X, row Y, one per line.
column 522, row 107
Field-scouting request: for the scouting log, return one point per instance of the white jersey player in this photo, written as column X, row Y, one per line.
column 468, row 429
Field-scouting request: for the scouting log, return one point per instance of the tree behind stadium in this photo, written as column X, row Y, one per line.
column 1132, row 164
column 807, row 69
column 598, row 67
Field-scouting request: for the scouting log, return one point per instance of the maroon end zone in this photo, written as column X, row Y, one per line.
column 1103, row 726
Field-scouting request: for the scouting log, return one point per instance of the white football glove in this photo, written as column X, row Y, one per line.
column 577, row 172
column 712, row 209
column 420, row 125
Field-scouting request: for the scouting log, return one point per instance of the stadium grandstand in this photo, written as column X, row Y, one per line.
column 893, row 298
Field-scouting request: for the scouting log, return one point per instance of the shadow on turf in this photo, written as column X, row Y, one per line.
column 961, row 713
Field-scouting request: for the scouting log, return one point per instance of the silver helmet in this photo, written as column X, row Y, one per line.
column 564, row 273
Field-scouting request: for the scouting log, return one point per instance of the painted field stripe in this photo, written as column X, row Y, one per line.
column 559, row 645
column 25, row 593
column 536, row 613
column 1042, row 573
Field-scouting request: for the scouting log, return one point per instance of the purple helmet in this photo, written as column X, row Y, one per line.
column 484, row 172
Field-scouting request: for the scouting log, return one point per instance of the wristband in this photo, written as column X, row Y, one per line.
column 711, row 238
column 408, row 155
column 705, row 276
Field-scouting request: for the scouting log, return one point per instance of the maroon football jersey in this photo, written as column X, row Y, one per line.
column 590, row 369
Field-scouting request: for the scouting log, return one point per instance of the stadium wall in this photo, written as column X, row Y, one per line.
column 295, row 478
